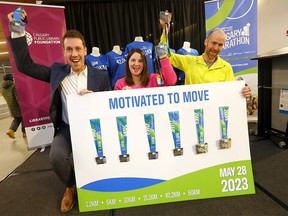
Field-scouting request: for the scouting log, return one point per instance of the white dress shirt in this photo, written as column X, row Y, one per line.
column 72, row 84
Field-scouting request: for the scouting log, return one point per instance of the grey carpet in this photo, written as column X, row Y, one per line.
column 33, row 189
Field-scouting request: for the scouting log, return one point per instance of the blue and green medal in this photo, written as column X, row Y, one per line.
column 201, row 147
column 150, row 129
column 97, row 136
column 175, row 128
column 122, row 135
column 225, row 142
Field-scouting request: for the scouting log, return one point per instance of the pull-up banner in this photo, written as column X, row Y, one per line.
column 46, row 25
column 159, row 145
column 238, row 19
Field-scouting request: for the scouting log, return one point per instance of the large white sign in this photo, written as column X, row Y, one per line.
column 158, row 145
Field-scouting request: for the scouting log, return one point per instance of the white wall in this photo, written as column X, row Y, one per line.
column 272, row 24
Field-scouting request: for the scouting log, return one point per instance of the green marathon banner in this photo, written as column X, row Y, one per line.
column 173, row 176
column 238, row 19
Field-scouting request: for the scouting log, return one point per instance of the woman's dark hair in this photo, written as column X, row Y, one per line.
column 8, row 77
column 144, row 75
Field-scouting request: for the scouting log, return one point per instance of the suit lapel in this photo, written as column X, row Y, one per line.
column 61, row 74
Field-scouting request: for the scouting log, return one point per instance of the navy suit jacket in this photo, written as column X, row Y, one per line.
column 97, row 80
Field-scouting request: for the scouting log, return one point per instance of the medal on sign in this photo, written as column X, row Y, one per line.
column 122, row 134
column 201, row 147
column 150, row 129
column 175, row 128
column 225, row 142
column 96, row 132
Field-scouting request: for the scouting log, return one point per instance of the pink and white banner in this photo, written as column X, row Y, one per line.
column 46, row 25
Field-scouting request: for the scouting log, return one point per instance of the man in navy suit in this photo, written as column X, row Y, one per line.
column 65, row 79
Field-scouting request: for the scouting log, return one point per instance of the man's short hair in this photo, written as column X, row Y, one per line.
column 216, row 30
column 73, row 34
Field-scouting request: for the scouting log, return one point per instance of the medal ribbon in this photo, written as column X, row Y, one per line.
column 158, row 72
column 223, row 112
column 199, row 121
column 122, row 133
column 96, row 131
column 175, row 127
column 150, row 129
